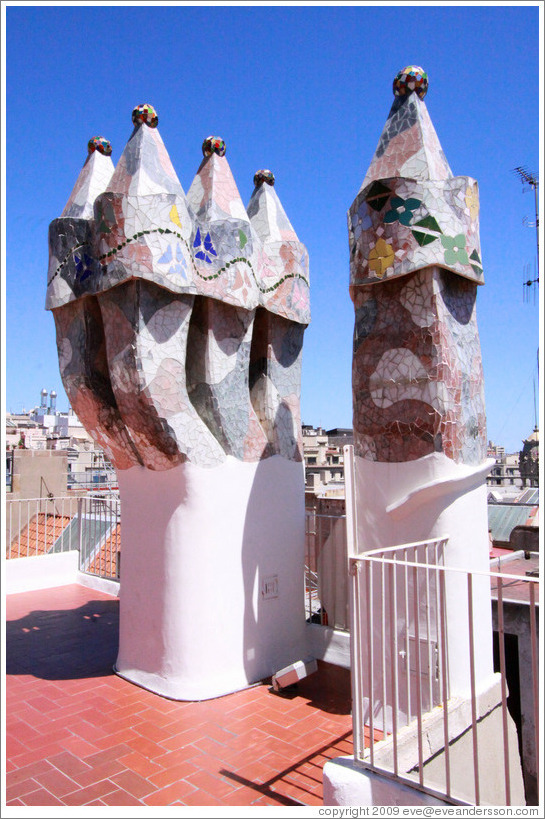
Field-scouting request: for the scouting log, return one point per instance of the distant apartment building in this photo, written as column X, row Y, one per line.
column 505, row 472
column 324, row 463
column 517, row 469
column 48, row 451
column 529, row 460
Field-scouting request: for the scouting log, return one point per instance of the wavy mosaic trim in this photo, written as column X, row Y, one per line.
column 198, row 273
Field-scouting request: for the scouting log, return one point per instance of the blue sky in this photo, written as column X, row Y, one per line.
column 305, row 91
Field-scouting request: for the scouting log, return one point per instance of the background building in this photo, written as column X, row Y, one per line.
column 324, row 463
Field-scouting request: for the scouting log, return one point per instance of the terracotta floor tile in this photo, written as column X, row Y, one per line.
column 152, row 731
column 201, row 799
column 215, row 785
column 98, row 790
column 78, row 747
column 114, row 739
column 84, row 729
column 185, row 736
column 292, row 790
column 49, row 738
column 133, row 783
column 25, row 734
column 20, row 788
column 42, row 704
column 178, row 791
column 108, row 755
column 145, row 746
column 115, row 743
column 177, row 757
column 36, row 755
column 140, row 764
column 122, row 798
column 69, row 764
column 56, row 782
column 98, row 773
column 14, row 747
column 265, row 800
column 209, row 763
column 41, row 798
column 27, row 771
column 258, row 771
column 163, row 719
column 244, row 796
column 173, row 773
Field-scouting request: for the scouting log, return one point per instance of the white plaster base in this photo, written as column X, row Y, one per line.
column 347, row 783
column 212, row 568
column 429, row 498
column 328, row 644
column 101, row 584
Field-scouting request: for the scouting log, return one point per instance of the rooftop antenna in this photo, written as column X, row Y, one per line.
column 530, row 181
column 535, row 397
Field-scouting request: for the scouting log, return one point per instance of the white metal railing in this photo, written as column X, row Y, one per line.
column 400, row 665
column 90, row 525
column 326, row 570
column 95, row 481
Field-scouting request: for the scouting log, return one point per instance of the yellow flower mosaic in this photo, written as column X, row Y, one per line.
column 381, row 257
column 472, row 201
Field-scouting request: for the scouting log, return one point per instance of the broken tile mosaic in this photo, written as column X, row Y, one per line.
column 180, row 319
column 415, row 265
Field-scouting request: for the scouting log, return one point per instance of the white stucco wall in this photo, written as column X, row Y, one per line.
column 347, row 783
column 40, row 572
column 429, row 498
column 212, row 594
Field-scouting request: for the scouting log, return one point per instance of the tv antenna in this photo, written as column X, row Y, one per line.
column 530, row 181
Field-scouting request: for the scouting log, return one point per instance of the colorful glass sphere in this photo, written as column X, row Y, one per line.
column 213, row 145
column 264, row 175
column 145, row 114
column 100, row 144
column 411, row 78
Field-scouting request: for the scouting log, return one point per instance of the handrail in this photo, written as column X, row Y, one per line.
column 417, row 652
column 441, row 568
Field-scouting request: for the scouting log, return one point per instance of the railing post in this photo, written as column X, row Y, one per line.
column 501, row 646
column 350, row 501
column 80, row 532
column 356, row 660
column 535, row 672
column 473, row 688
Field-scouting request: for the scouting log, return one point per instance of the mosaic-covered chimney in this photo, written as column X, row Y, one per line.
column 180, row 324
column 418, row 392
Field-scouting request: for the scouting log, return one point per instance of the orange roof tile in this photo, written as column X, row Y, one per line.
column 38, row 536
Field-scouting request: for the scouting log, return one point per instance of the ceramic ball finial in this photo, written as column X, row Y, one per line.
column 145, row 114
column 409, row 79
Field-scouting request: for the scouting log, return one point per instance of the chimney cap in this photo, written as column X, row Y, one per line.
column 409, row 79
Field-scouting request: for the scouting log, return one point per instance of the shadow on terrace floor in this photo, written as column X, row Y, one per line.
column 77, row 734
column 64, row 644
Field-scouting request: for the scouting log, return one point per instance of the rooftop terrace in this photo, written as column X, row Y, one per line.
column 78, row 734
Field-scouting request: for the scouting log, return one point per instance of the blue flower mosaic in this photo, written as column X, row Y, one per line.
column 401, row 210
column 361, row 220
column 206, row 249
column 178, row 264
column 84, row 264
